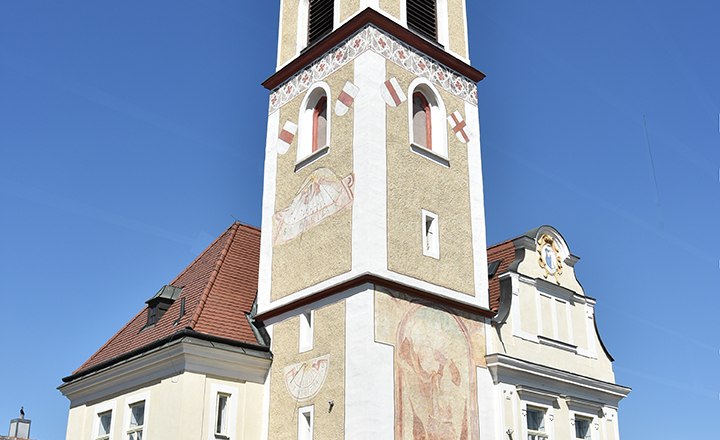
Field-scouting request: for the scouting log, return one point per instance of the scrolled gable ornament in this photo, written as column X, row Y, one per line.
column 549, row 257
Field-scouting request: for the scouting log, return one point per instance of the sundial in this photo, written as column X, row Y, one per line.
column 305, row 379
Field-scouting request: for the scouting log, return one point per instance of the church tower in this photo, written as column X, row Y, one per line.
column 373, row 280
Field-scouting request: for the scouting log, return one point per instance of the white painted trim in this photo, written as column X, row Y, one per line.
column 268, row 210
column 594, row 434
column 305, row 120
column 369, row 213
column 387, row 274
column 131, row 400
column 232, row 408
column 443, row 33
column 280, row 34
column 486, row 408
column 403, row 12
column 466, row 58
column 336, row 14
column 438, row 115
column 477, row 205
column 368, row 409
column 301, row 35
column 549, row 418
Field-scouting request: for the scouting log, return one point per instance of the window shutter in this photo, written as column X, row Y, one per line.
column 422, row 17
column 321, row 19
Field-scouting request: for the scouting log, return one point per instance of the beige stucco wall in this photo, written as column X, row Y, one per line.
column 348, row 8
column 288, row 31
column 416, row 183
column 391, row 7
column 325, row 250
column 176, row 408
column 456, row 27
column 328, row 339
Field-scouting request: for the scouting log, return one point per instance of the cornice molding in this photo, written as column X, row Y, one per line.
column 183, row 355
column 372, row 31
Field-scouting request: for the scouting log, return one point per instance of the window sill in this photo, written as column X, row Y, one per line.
column 557, row 344
column 430, row 155
column 222, row 436
column 312, row 158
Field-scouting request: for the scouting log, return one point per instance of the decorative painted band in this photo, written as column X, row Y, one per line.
column 382, row 43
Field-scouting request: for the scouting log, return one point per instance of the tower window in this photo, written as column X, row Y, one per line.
column 319, row 133
column 421, row 121
column 320, row 21
column 305, row 423
column 430, row 234
column 422, row 17
column 305, row 342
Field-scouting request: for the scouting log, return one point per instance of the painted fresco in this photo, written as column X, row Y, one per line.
column 321, row 195
column 436, row 358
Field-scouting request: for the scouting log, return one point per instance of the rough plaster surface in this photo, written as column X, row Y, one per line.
column 456, row 27
column 288, row 33
column 329, row 339
column 324, row 251
column 348, row 8
column 416, row 183
column 392, row 7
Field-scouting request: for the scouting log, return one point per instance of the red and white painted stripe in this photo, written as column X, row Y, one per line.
column 458, row 125
column 286, row 137
column 346, row 98
column 392, row 93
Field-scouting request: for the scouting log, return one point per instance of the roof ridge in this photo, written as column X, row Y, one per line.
column 200, row 256
column 97, row 352
column 213, row 276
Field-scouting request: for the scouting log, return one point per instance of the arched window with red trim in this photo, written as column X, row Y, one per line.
column 422, row 121
column 319, row 124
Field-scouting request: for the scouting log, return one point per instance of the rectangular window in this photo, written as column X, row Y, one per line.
column 137, row 421
column 221, row 415
column 104, row 425
column 430, row 234
column 536, row 424
column 305, row 423
column 422, row 17
column 582, row 427
column 306, row 332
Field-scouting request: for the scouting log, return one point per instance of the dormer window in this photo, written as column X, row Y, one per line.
column 160, row 303
column 321, row 15
column 422, row 17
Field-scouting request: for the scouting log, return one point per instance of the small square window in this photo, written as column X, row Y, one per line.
column 536, row 424
column 137, row 421
column 582, row 427
column 221, row 415
column 104, row 425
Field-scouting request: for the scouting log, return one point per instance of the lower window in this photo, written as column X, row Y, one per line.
column 536, row 424
column 582, row 427
column 137, row 421
column 104, row 424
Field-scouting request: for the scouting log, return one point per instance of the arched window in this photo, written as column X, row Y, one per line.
column 319, row 130
column 427, row 120
column 314, row 125
column 421, row 121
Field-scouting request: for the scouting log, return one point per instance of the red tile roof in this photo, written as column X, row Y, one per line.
column 505, row 253
column 219, row 288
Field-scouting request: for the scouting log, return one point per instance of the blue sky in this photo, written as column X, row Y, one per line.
column 132, row 133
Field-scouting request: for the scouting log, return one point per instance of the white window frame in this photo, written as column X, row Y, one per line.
column 102, row 409
column 233, row 405
column 305, row 155
column 587, row 416
column 130, row 401
column 224, row 423
column 306, row 422
column 430, row 239
column 548, row 420
column 306, row 334
column 438, row 122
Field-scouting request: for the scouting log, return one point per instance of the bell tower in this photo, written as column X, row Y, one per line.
column 373, row 229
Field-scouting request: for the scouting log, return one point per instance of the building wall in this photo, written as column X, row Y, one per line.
column 324, row 249
column 180, row 407
column 416, row 183
column 325, row 362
